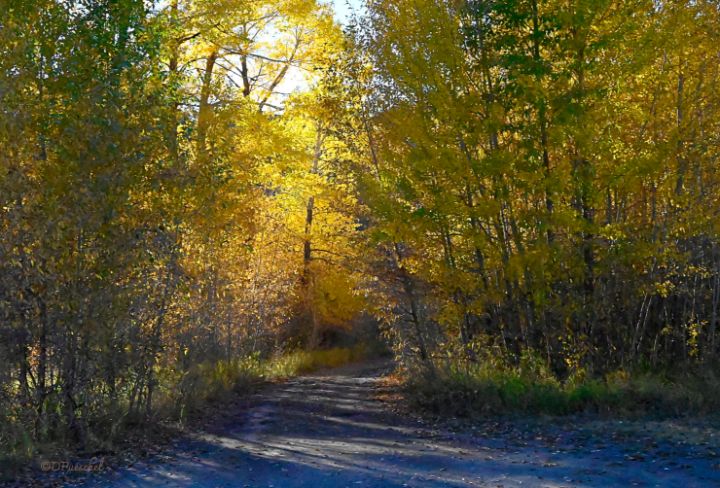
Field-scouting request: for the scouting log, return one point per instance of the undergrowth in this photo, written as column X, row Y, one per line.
column 210, row 382
column 464, row 389
column 300, row 362
column 179, row 396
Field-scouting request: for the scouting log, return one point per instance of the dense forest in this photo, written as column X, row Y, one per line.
column 191, row 186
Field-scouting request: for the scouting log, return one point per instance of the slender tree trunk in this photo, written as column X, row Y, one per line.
column 415, row 318
column 680, row 120
column 542, row 121
column 307, row 279
column 205, row 110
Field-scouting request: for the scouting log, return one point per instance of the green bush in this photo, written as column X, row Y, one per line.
column 458, row 389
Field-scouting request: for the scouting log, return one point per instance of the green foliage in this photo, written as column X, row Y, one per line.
column 456, row 389
column 299, row 362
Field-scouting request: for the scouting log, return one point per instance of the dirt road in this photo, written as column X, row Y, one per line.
column 329, row 430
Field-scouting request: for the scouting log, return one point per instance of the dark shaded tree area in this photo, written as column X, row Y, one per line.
column 543, row 176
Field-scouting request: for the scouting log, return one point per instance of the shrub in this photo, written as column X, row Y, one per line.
column 457, row 389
